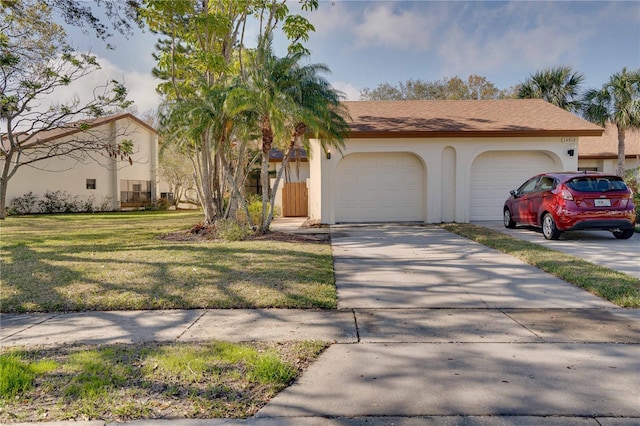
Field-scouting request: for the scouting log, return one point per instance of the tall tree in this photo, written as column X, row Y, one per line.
column 35, row 61
column 559, row 86
column 293, row 102
column 201, row 55
column 121, row 15
column 618, row 102
column 474, row 88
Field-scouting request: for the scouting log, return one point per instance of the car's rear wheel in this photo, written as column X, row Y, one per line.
column 624, row 234
column 549, row 229
column 508, row 221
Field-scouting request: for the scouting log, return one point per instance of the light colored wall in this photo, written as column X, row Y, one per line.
column 445, row 159
column 64, row 174
column 609, row 165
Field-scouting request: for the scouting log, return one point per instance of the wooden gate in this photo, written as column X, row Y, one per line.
column 295, row 200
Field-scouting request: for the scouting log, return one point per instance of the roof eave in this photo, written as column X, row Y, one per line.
column 607, row 156
column 74, row 129
column 472, row 134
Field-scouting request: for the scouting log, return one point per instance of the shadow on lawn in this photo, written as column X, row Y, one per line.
column 137, row 276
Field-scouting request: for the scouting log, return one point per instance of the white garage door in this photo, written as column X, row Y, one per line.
column 494, row 174
column 380, row 187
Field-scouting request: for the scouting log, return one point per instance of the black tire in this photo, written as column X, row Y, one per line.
column 549, row 228
column 625, row 234
column 508, row 221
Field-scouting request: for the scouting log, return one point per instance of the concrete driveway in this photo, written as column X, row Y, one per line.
column 448, row 327
column 395, row 266
column 599, row 247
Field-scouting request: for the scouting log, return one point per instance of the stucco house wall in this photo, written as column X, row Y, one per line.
column 459, row 159
column 71, row 175
column 601, row 153
column 447, row 171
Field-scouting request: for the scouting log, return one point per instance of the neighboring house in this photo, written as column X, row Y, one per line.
column 440, row 161
column 113, row 183
column 601, row 153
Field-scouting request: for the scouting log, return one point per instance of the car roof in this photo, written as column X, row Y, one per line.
column 565, row 176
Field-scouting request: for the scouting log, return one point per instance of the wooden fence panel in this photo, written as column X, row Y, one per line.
column 295, row 200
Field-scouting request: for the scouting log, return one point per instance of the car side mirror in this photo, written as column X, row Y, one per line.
column 514, row 192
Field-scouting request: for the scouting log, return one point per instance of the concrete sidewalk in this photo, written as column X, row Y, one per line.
column 432, row 329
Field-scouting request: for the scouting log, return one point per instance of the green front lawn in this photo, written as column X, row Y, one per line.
column 619, row 288
column 117, row 261
column 147, row 381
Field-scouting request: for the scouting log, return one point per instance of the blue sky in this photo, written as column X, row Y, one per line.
column 367, row 42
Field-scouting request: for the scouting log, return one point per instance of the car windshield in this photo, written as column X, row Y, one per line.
column 596, row 184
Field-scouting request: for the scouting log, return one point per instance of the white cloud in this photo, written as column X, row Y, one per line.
column 516, row 36
column 330, row 17
column 141, row 87
column 352, row 92
column 386, row 26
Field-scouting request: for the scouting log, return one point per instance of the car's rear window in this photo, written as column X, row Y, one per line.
column 597, row 184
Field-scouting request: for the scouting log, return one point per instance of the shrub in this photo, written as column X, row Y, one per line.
column 88, row 205
column 22, row 205
column 59, row 202
column 230, row 230
column 106, row 205
column 158, row 204
column 254, row 205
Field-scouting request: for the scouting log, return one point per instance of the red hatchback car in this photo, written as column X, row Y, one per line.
column 560, row 202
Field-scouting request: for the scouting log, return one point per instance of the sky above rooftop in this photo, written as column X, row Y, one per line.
column 367, row 42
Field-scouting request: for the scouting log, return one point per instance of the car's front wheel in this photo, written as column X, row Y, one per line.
column 508, row 220
column 549, row 229
column 624, row 234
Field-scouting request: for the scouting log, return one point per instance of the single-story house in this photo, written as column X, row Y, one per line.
column 439, row 161
column 108, row 181
column 601, row 153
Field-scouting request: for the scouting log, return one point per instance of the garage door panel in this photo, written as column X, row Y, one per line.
column 380, row 188
column 494, row 174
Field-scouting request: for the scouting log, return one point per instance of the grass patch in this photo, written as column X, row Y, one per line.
column 148, row 381
column 117, row 261
column 617, row 287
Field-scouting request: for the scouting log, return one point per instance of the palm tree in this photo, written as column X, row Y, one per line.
column 203, row 127
column 618, row 102
column 293, row 102
column 558, row 86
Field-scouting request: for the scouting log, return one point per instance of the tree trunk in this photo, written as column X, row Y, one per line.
column 621, row 137
column 236, row 190
column 208, row 202
column 3, row 198
column 267, row 142
column 264, row 180
column 4, row 184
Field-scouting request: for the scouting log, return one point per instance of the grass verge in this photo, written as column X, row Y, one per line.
column 148, row 381
column 117, row 261
column 619, row 288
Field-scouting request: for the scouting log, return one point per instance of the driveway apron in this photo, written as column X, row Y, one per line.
column 448, row 327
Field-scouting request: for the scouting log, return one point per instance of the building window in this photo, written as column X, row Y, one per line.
column 587, row 169
column 135, row 192
column 91, row 184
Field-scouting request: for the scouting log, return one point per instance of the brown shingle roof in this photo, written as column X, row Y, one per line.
column 606, row 146
column 487, row 118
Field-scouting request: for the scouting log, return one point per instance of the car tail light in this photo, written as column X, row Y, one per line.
column 625, row 200
column 566, row 194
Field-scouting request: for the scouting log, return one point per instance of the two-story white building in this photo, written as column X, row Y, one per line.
column 112, row 182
